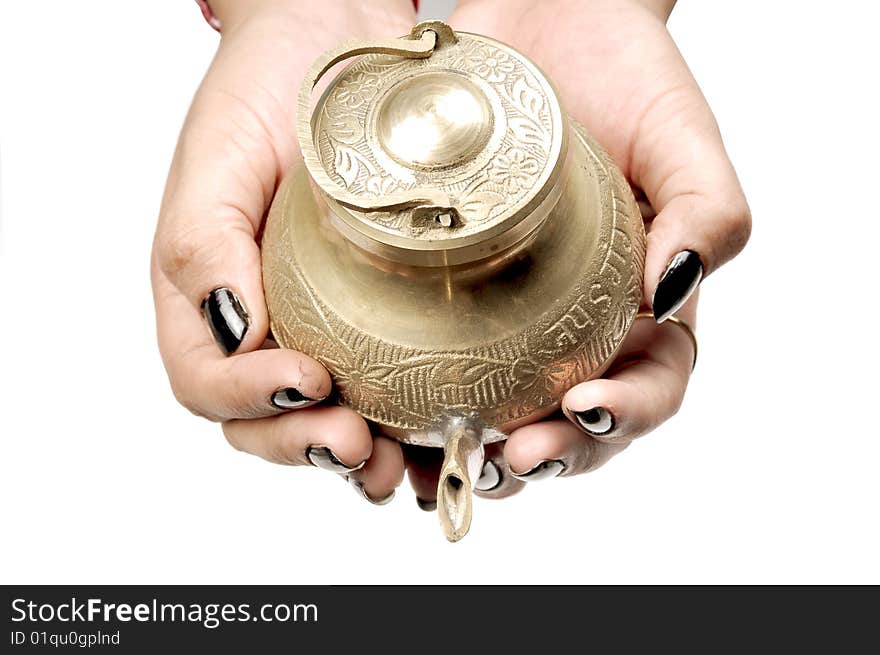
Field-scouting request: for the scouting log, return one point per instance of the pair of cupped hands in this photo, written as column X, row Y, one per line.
column 618, row 73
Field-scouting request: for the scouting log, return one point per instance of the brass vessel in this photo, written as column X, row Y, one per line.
column 455, row 250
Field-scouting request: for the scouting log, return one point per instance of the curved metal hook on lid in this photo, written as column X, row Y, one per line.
column 420, row 44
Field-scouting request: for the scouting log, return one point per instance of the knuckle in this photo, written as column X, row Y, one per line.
column 181, row 392
column 235, row 393
column 674, row 406
column 673, row 398
column 176, row 250
column 179, row 249
column 185, row 397
column 737, row 224
column 285, row 446
column 232, row 437
column 185, row 387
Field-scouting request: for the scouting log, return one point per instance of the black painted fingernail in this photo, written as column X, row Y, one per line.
column 597, row 421
column 490, row 477
column 359, row 487
column 324, row 458
column 290, row 398
column 227, row 318
column 549, row 468
column 426, row 505
column 681, row 277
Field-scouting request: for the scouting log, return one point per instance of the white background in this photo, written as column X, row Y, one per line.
column 768, row 474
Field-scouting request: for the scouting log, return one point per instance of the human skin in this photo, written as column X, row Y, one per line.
column 618, row 73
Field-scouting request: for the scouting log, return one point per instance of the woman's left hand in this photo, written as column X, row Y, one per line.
column 620, row 75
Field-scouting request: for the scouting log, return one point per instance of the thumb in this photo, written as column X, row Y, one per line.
column 220, row 184
column 703, row 219
column 210, row 256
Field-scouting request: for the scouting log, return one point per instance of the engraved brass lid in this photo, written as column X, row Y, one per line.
column 472, row 133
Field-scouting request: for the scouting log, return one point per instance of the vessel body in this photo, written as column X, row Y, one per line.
column 502, row 338
column 454, row 246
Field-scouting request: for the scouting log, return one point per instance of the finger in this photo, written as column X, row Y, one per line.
column 703, row 219
column 333, row 438
column 644, row 388
column 496, row 480
column 553, row 448
column 423, row 471
column 382, row 473
column 209, row 254
column 249, row 385
column 220, row 184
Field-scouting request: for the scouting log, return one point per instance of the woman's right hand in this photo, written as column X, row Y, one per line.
column 236, row 143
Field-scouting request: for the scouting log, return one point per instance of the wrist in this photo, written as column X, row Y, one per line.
column 364, row 16
column 660, row 8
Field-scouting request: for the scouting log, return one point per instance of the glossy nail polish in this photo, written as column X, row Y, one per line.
column 490, row 477
column 549, row 468
column 290, row 398
column 359, row 487
column 678, row 282
column 324, row 458
column 227, row 318
column 597, row 421
column 426, row 505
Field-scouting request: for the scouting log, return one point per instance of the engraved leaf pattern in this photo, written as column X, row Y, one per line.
column 462, row 371
column 346, row 128
column 527, row 131
column 527, row 99
column 346, row 165
column 480, row 201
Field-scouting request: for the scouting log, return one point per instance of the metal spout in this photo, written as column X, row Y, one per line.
column 460, row 472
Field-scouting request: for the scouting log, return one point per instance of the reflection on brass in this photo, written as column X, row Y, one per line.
column 455, row 250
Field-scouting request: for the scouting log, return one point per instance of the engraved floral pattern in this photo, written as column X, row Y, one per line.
column 491, row 64
column 513, row 170
column 357, row 89
column 539, row 384
column 379, row 185
column 358, row 378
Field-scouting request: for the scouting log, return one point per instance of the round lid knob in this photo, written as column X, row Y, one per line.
column 434, row 120
column 474, row 122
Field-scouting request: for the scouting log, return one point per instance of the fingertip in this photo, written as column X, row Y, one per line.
column 382, row 473
column 265, row 382
column 423, row 471
column 534, row 443
column 595, row 408
column 638, row 396
column 312, row 380
column 549, row 449
column 216, row 265
column 496, row 480
column 680, row 278
column 344, row 433
column 693, row 234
